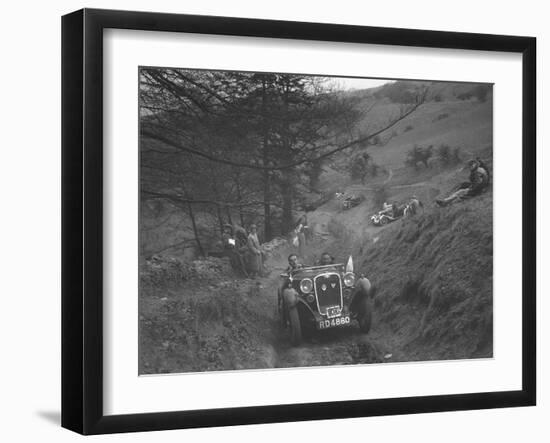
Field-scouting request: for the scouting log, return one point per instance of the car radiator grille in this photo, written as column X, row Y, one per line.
column 328, row 290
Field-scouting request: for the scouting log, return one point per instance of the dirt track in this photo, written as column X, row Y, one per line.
column 339, row 346
column 330, row 347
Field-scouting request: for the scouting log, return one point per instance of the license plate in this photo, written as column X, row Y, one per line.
column 333, row 322
column 334, row 311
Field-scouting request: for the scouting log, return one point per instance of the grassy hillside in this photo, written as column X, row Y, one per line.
column 463, row 124
column 201, row 317
column 434, row 282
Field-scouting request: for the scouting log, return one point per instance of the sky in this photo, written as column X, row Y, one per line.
column 360, row 83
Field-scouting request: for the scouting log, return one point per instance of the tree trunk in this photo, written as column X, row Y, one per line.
column 287, row 183
column 228, row 214
column 218, row 209
column 239, row 198
column 266, row 176
column 286, row 193
column 315, row 175
column 195, row 231
column 220, row 220
column 267, row 208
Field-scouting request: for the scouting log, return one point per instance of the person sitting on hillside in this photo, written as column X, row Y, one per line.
column 397, row 210
column 479, row 180
column 483, row 166
column 413, row 206
column 387, row 209
column 479, row 177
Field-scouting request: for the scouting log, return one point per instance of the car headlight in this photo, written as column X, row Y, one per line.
column 349, row 279
column 306, row 285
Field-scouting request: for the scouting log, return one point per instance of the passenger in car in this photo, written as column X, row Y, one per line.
column 326, row 259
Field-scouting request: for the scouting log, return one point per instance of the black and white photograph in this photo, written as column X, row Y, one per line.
column 275, row 221
column 290, row 220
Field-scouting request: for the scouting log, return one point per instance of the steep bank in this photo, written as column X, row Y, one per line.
column 202, row 317
column 434, row 281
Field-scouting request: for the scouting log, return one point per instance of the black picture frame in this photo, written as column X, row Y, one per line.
column 82, row 217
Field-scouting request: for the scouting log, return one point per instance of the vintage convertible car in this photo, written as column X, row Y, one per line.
column 383, row 218
column 322, row 297
column 351, row 202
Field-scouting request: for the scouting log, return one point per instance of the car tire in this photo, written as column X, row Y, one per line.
column 365, row 314
column 295, row 326
column 383, row 221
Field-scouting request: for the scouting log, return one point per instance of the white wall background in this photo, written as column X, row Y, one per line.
column 30, row 222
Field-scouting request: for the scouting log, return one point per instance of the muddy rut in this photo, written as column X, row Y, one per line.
column 338, row 346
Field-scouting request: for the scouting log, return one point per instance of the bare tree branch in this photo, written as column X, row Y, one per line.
column 176, row 145
column 179, row 199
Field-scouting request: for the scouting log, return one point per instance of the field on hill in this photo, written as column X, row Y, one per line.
column 467, row 125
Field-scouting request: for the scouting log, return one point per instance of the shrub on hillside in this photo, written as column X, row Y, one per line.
column 464, row 96
column 418, row 154
column 447, row 155
column 481, row 92
column 380, row 196
column 374, row 169
column 441, row 117
column 408, row 128
column 376, row 140
column 361, row 166
column 397, row 92
column 160, row 271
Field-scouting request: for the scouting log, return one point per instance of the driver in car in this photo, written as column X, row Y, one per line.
column 293, row 263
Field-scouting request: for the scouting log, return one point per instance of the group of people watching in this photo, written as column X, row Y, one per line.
column 243, row 249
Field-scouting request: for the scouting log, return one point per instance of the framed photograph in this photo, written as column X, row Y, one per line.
column 270, row 221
